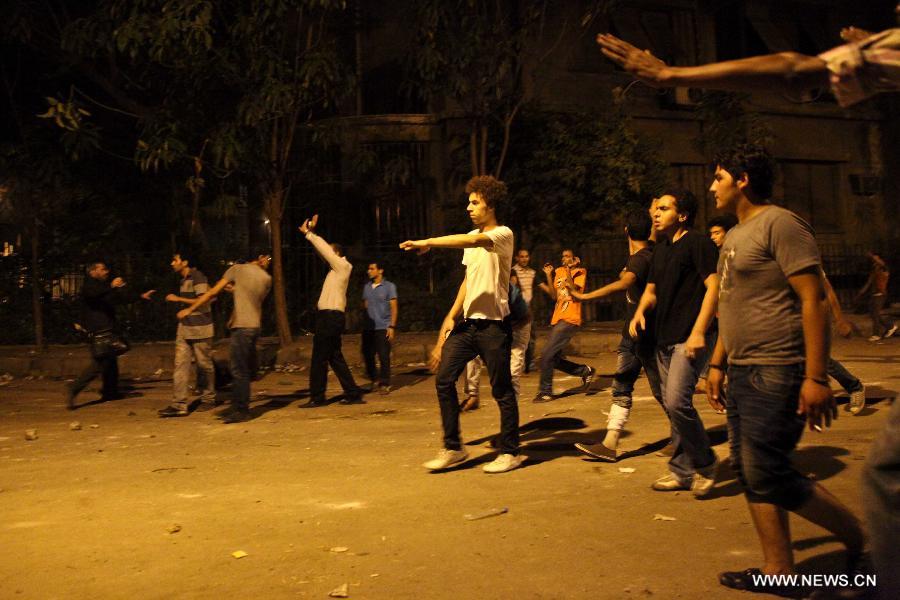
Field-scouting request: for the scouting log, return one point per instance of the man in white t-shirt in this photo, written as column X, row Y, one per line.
column 483, row 300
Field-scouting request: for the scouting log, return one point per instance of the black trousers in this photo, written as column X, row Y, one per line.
column 327, row 352
column 374, row 341
column 108, row 367
column 491, row 340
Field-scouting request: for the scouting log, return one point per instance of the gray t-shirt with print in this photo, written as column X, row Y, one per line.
column 251, row 285
column 760, row 319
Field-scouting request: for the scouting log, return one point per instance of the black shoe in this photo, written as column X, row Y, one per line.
column 172, row 411
column 598, row 451
column 542, row 398
column 237, row 416
column 588, row 378
column 314, row 403
column 751, row 580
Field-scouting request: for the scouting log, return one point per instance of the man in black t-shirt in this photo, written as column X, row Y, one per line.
column 683, row 288
column 632, row 354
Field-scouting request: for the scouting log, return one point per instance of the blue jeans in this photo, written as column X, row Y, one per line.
column 679, row 376
column 844, row 377
column 491, row 340
column 763, row 430
column 243, row 364
column 630, row 358
column 552, row 355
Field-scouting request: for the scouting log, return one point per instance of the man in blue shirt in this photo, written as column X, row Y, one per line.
column 380, row 302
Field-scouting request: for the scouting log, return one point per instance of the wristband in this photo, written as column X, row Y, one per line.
column 817, row 380
column 716, row 367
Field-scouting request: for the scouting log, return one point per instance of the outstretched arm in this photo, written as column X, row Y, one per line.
column 459, row 241
column 784, row 71
column 212, row 293
column 625, row 281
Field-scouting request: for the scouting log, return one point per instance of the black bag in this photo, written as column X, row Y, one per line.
column 108, row 343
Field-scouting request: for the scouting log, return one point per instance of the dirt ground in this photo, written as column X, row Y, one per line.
column 317, row 498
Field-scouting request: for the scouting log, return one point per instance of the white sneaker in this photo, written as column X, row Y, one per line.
column 874, row 338
column 504, row 463
column 705, row 479
column 446, row 459
column 890, row 332
column 857, row 401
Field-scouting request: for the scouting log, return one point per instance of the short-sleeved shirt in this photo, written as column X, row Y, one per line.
column 526, row 281
column 760, row 320
column 487, row 276
column 639, row 265
column 378, row 303
column 862, row 69
column 251, row 285
column 679, row 270
column 567, row 308
column 199, row 324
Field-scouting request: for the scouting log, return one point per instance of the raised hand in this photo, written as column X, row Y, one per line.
column 640, row 63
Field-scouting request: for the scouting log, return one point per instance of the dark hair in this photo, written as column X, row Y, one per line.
column 91, row 265
column 338, row 248
column 185, row 256
column 638, row 225
column 377, row 264
column 491, row 189
column 726, row 222
column 685, row 204
column 753, row 160
column 257, row 251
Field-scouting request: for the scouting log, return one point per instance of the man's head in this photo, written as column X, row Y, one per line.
column 570, row 258
column 375, row 271
column 260, row 257
column 675, row 211
column 180, row 262
column 486, row 194
column 338, row 249
column 747, row 171
column 98, row 270
column 719, row 226
column 638, row 226
column 523, row 257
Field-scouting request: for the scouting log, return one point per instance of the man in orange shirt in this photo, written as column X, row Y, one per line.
column 566, row 322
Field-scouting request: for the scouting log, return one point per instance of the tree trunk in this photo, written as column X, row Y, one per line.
column 274, row 209
column 37, row 310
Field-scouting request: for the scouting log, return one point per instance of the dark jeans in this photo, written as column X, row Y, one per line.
column 327, row 352
column 242, row 347
column 529, row 351
column 630, row 358
column 881, row 499
column 880, row 324
column 374, row 341
column 679, row 376
column 552, row 355
column 763, row 430
column 844, row 377
column 108, row 367
column 491, row 340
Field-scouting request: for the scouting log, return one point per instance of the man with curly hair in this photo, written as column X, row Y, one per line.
column 485, row 331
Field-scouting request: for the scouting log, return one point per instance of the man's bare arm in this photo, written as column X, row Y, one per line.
column 784, row 71
column 697, row 340
column 626, row 280
column 212, row 293
column 459, row 241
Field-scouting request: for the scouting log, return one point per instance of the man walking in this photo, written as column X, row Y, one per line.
column 330, row 322
column 682, row 287
column 774, row 346
column 483, row 300
column 193, row 340
column 380, row 303
column 100, row 296
column 525, row 276
column 565, row 323
column 632, row 354
column 250, row 283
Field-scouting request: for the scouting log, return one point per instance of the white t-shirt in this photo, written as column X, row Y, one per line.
column 487, row 276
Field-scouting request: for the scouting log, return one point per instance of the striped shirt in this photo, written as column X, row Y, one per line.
column 198, row 325
column 526, row 281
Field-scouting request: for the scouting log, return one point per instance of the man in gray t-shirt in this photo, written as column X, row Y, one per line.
column 773, row 337
column 250, row 284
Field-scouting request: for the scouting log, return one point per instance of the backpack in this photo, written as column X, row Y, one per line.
column 518, row 308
